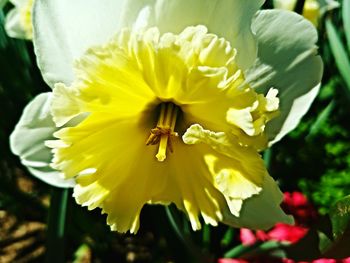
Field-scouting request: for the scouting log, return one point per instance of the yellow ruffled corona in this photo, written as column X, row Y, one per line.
column 170, row 119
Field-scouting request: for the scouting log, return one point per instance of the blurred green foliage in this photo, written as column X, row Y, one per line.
column 315, row 157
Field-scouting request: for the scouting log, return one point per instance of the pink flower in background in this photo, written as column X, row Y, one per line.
column 281, row 232
column 284, row 232
column 294, row 203
column 267, row 260
column 321, row 260
column 232, row 260
column 257, row 260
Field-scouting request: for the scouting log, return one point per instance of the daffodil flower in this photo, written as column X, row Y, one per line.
column 313, row 9
column 160, row 102
column 18, row 22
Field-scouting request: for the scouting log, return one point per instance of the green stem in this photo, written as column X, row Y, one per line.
column 56, row 226
column 299, row 6
column 206, row 236
column 256, row 249
column 228, row 237
column 267, row 247
column 187, row 241
column 238, row 251
column 267, row 157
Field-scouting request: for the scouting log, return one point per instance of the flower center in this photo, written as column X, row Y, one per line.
column 163, row 133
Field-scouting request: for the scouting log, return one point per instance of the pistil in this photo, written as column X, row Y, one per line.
column 164, row 131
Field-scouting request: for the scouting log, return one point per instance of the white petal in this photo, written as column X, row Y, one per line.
column 230, row 19
column 28, row 141
column 328, row 5
column 18, row 2
column 13, row 25
column 299, row 108
column 261, row 211
column 64, row 29
column 284, row 4
column 287, row 60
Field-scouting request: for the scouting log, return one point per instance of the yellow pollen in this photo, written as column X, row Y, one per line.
column 164, row 131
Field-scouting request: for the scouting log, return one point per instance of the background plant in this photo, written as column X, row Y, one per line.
column 315, row 159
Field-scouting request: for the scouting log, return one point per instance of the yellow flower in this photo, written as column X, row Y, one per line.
column 313, row 9
column 170, row 118
column 18, row 22
column 170, row 104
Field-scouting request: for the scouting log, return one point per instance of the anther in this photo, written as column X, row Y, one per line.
column 164, row 132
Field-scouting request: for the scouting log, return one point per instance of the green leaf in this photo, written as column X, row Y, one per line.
column 83, row 254
column 321, row 120
column 328, row 238
column 340, row 216
column 175, row 220
column 3, row 3
column 339, row 53
column 56, row 226
column 346, row 20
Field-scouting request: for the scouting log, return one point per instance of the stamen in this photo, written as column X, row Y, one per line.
column 164, row 132
column 161, row 155
column 162, row 114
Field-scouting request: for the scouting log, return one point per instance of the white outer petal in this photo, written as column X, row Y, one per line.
column 18, row 3
column 230, row 19
column 64, row 29
column 261, row 211
column 299, row 108
column 284, row 4
column 28, row 141
column 13, row 25
column 328, row 5
column 288, row 61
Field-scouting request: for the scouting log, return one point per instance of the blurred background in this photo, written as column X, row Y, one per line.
column 39, row 223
